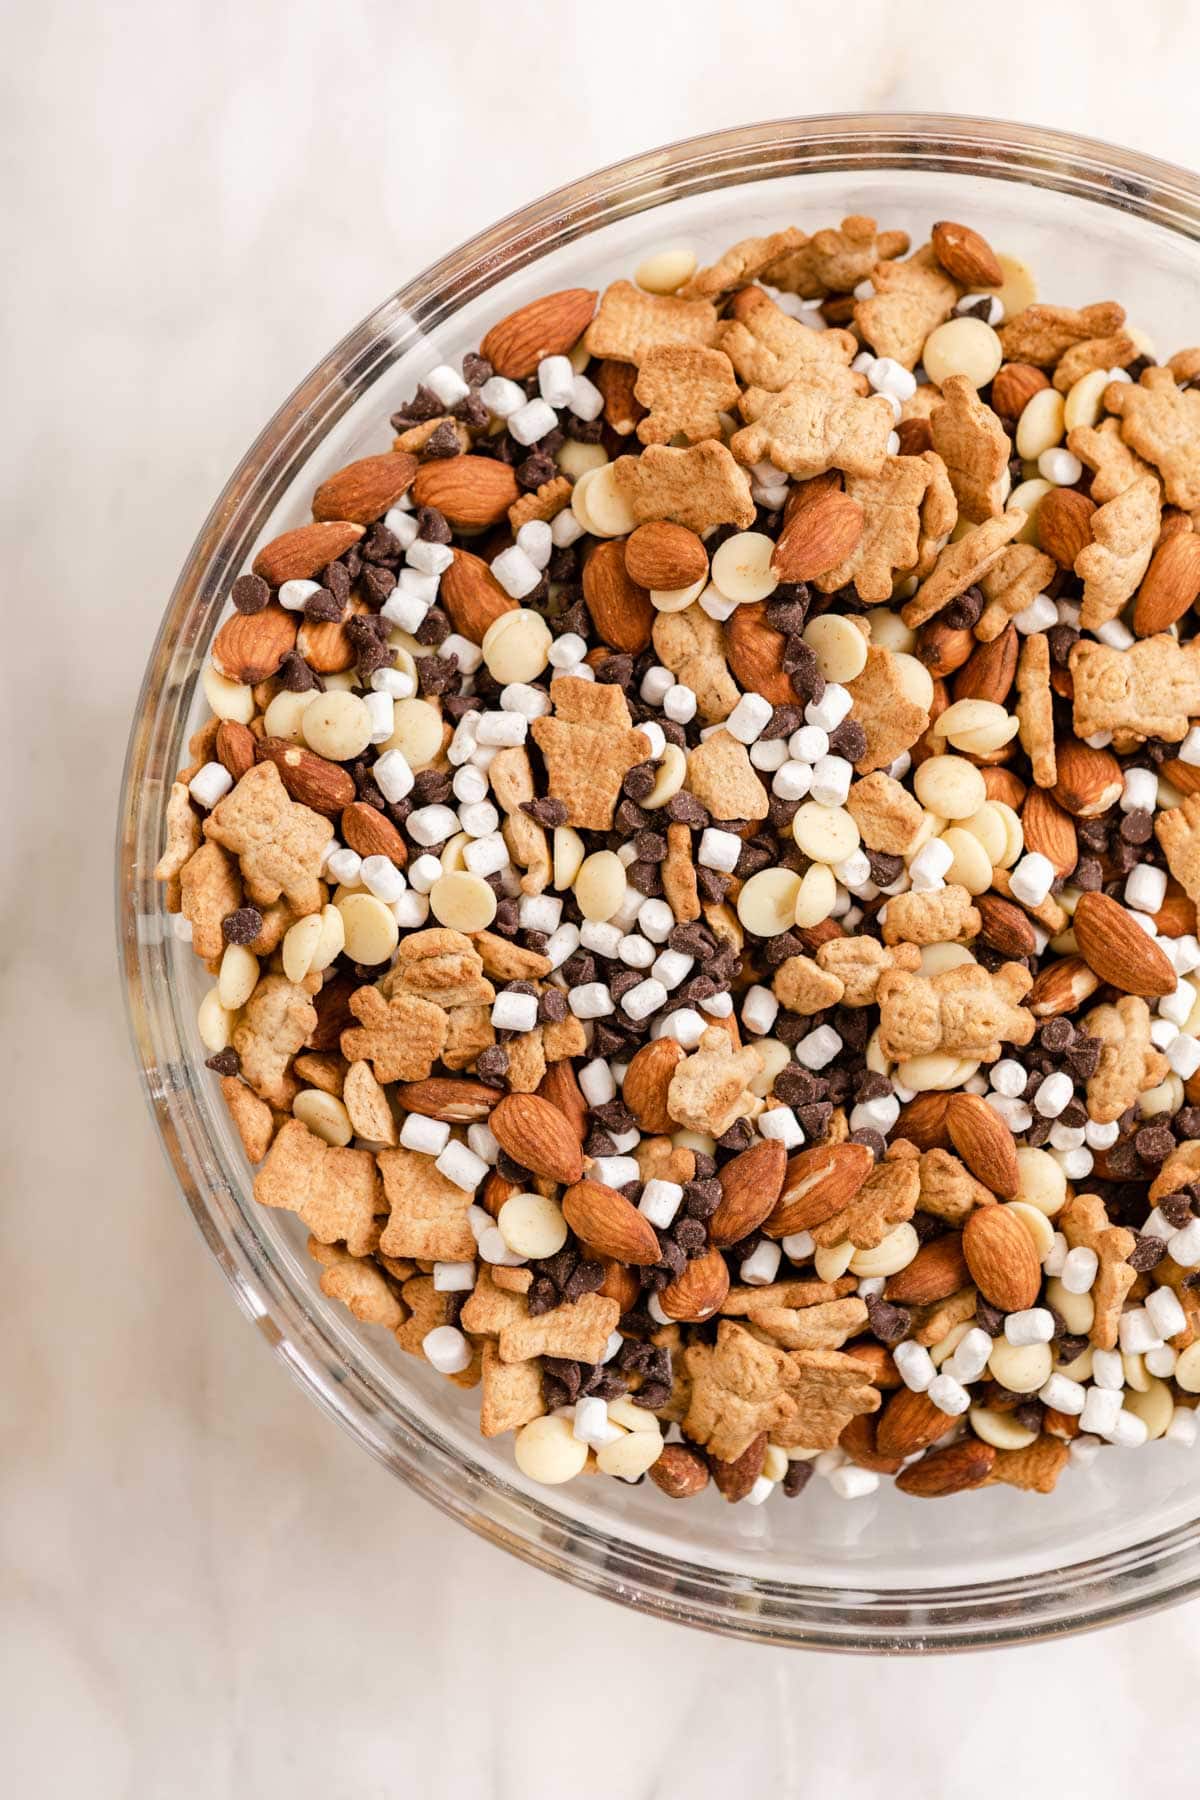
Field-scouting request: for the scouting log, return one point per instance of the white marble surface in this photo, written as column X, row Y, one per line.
column 207, row 1590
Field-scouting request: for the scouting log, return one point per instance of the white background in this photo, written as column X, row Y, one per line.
column 208, row 1592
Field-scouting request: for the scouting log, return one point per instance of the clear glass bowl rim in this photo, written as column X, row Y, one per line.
column 1123, row 1584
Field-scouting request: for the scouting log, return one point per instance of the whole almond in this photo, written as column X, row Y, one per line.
column 699, row 1290
column 1049, row 830
column 1088, row 782
column 1061, row 987
column 1002, row 1259
column 662, row 555
column 915, row 437
column 953, row 1470
column 309, row 778
column 536, row 1135
column 647, row 1079
column 496, row 1190
column 299, row 555
column 944, row 648
column 548, row 326
column 679, row 1472
column 560, row 1086
column 938, row 1270
column 472, row 596
column 454, row 1102
column 984, row 1142
column 1184, row 776
column 620, row 609
column 880, row 1367
column 471, row 491
column 910, row 1421
column 858, row 1441
column 622, row 408
column 966, row 255
column 250, row 646
column 922, row 1121
column 1176, row 917
column 619, row 1284
column 1114, row 945
column 734, row 1480
column 1005, row 927
column 371, row 833
column 755, row 651
column 608, row 1222
column 818, row 537
column 1170, row 585
column 750, row 1186
column 991, row 669
column 363, row 491
column 236, row 746
column 817, row 1184
column 1064, row 524
column 325, row 643
column 1014, row 386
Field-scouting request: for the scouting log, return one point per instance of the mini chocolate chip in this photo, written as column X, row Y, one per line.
column 250, row 593
column 224, row 1062
column 1154, row 1143
column 492, row 1064
column 242, row 926
column 640, row 780
column 889, row 1323
column 443, row 443
column 546, row 811
column 797, row 1478
column 685, row 809
column 295, row 676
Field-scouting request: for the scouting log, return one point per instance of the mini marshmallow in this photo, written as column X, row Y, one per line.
column 453, row 1277
column 1136, row 1331
column 767, row 754
column 410, row 910
column 1101, row 1136
column 461, row 1166
column 1031, row 1325
column 1146, row 888
column 679, row 703
column 1063, row 1394
column 447, row 384
column 879, row 1114
column 719, row 850
column 1140, row 793
column 749, row 718
column 392, row 776
column 602, row 938
column 887, row 376
column 850, row 1482
column 503, row 729
column 780, row 1126
column 686, row 1026
column 1183, row 1428
column 514, row 571
column 657, row 683
column 431, row 824
column 1032, row 878
column 393, row 682
column 660, row 1201
column 809, row 744
column 1166, row 1314
column 646, row 998
column 654, row 733
column 1061, row 466
column 381, row 877
column 671, row 967
column 1128, row 1432
column 427, row 557
column 1183, row 1054
column 970, row 1356
column 761, row 1265
column 831, row 779
column 1184, row 1245
column 447, row 1349
column 1176, row 1006
column 586, row 402
column 479, row 819
column 591, row 1001
column 1189, row 750
column 501, row 396
column 293, row 596
column 514, row 1012
column 718, row 1006
column 1008, row 1077
column 1108, row 1369
column 928, row 868
column 483, row 1141
column 1115, row 634
column 531, row 421
column 1075, row 1164
column 429, row 1136
column 760, row 1009
column 1053, row 1094
column 556, row 380
column 1039, row 615
column 567, row 650
column 656, row 920
column 210, row 784
column 562, row 942
column 829, row 711
column 344, row 865
column 818, row 1048
column 424, row 872
column 381, row 711
column 948, row 1395
column 636, row 952
column 592, row 1424
column 1080, row 1269
column 798, row 1246
column 792, row 780
column 616, row 1171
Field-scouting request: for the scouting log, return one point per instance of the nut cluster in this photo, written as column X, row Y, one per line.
column 697, row 848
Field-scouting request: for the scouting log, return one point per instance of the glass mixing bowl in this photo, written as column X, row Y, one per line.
column 886, row 1573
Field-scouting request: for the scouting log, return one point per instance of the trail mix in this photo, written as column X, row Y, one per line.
column 697, row 847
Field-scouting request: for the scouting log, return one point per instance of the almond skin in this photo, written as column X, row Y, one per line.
column 1088, row 781
column 938, row 1270
column 250, row 646
column 647, row 1079
column 755, row 653
column 910, row 1421
column 299, row 555
column 1116, row 948
column 944, row 648
column 472, row 596
column 536, row 1135
column 1000, row 1255
column 454, row 1102
column 363, row 491
column 324, row 644
column 662, row 555
column 984, row 1142
column 369, row 832
column 953, row 1470
column 1050, row 830
column 608, row 1222
column 309, row 778
column 560, row 1086
column 546, row 327
column 1002, row 784
column 966, row 255
column 991, row 669
column 472, row 491
column 922, row 1121
column 818, row 537
column 1065, row 525
column 817, row 1184
column 915, row 436
column 1005, row 927
column 236, row 746
column 1170, row 585
column 750, row 1186
column 619, row 1284
column 622, row 408
column 621, row 610
column 733, row 1480
column 858, row 1441
column 880, row 1367
column 1014, row 387
column 699, row 1291
column 679, row 1472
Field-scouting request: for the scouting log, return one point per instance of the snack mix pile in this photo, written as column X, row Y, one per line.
column 698, row 848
